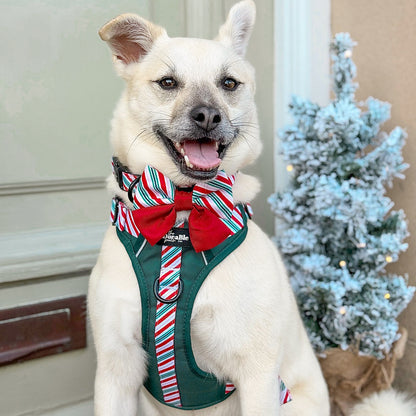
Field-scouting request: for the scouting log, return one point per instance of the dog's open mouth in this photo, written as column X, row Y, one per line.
column 197, row 158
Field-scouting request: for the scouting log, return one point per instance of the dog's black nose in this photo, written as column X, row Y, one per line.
column 206, row 117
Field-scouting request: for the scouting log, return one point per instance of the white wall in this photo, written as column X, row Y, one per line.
column 302, row 65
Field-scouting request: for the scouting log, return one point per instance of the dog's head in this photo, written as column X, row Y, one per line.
column 188, row 107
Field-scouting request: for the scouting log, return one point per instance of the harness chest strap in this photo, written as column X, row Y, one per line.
column 168, row 290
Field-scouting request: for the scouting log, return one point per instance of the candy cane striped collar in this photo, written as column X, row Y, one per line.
column 213, row 215
column 126, row 180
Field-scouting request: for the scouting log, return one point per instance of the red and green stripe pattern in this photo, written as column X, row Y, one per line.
column 154, row 189
column 122, row 217
column 169, row 280
column 285, row 396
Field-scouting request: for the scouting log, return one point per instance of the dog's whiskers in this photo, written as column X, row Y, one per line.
column 139, row 135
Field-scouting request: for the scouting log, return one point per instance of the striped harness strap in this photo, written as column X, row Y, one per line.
column 216, row 195
column 168, row 291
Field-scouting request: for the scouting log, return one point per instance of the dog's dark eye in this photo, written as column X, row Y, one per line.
column 230, row 84
column 168, row 83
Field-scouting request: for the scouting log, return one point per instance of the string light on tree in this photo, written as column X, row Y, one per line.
column 342, row 263
column 289, row 168
column 348, row 53
column 387, row 296
column 359, row 244
column 389, row 259
column 342, row 310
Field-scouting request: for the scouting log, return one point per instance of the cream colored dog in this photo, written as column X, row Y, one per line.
column 188, row 110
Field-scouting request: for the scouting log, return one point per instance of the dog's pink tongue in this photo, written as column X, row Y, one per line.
column 202, row 155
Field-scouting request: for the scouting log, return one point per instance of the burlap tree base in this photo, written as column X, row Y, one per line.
column 351, row 377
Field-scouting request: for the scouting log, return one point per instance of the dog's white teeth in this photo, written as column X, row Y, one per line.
column 188, row 163
column 217, row 145
column 180, row 148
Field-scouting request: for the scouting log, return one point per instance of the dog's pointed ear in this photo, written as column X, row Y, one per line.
column 130, row 37
column 236, row 31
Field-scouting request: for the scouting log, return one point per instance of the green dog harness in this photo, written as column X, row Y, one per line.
column 170, row 274
column 173, row 375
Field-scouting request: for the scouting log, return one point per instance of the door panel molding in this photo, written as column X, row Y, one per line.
column 51, row 185
column 45, row 253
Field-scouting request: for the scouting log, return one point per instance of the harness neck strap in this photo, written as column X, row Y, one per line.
column 125, row 179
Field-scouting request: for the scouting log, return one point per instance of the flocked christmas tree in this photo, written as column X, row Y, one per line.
column 338, row 230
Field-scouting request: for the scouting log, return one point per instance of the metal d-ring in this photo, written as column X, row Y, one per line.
column 131, row 187
column 163, row 300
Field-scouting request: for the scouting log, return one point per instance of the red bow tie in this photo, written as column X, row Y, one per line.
column 210, row 204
